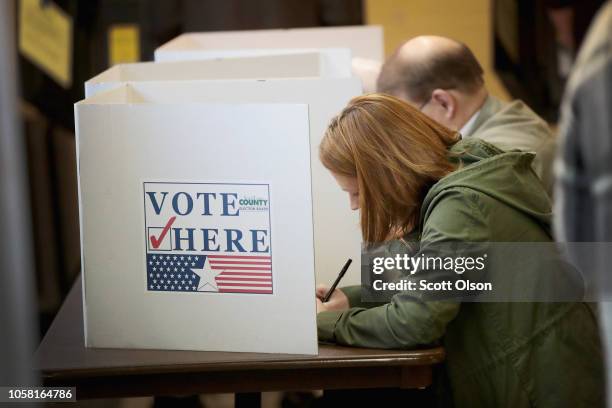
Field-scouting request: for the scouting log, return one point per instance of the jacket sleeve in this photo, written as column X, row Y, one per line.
column 409, row 319
column 353, row 293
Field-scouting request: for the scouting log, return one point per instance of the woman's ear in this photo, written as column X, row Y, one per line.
column 446, row 101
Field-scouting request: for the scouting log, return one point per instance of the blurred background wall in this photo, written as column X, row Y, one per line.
column 468, row 21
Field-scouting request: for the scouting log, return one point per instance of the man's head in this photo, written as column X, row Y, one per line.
column 439, row 76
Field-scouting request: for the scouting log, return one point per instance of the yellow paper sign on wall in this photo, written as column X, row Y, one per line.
column 45, row 38
column 123, row 43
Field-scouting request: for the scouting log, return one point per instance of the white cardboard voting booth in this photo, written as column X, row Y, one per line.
column 196, row 221
column 334, row 62
column 363, row 41
column 303, row 64
column 336, row 227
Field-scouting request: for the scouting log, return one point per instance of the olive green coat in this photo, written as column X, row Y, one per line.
column 498, row 354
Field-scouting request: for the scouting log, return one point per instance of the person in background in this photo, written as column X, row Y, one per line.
column 413, row 179
column 583, row 209
column 570, row 20
column 443, row 79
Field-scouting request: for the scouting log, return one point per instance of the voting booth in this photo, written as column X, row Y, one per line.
column 196, row 234
column 363, row 45
column 167, row 171
column 205, row 211
column 334, row 62
column 284, row 65
column 363, row 41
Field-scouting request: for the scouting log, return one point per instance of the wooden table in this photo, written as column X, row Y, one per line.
column 63, row 360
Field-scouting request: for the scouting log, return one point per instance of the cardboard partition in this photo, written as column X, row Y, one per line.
column 363, row 41
column 310, row 64
column 196, row 223
column 334, row 62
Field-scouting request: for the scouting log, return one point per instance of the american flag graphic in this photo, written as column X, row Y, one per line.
column 242, row 274
column 176, row 272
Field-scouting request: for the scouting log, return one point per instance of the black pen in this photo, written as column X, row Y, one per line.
column 337, row 281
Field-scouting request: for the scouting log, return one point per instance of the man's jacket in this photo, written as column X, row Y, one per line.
column 512, row 126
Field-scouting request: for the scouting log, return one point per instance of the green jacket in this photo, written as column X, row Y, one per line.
column 512, row 126
column 498, row 354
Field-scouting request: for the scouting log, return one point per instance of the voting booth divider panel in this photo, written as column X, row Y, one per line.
column 299, row 64
column 358, row 50
column 363, row 41
column 196, row 233
column 333, row 62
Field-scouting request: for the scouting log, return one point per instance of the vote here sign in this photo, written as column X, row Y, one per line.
column 208, row 237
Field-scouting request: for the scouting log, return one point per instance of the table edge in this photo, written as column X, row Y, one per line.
column 436, row 355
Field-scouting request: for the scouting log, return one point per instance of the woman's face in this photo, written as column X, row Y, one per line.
column 350, row 185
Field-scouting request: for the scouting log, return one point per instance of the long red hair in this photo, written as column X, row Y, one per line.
column 395, row 152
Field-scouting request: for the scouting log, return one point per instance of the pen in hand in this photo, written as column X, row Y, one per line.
column 337, row 281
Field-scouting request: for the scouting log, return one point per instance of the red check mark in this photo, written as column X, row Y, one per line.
column 155, row 242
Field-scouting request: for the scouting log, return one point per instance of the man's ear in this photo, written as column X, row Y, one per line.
column 446, row 101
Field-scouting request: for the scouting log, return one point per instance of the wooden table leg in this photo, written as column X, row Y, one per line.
column 247, row 400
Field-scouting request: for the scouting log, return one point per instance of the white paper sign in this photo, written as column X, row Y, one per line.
column 208, row 237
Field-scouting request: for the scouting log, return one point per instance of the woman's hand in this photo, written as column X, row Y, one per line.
column 337, row 301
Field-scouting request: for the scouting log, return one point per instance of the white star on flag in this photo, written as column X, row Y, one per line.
column 207, row 278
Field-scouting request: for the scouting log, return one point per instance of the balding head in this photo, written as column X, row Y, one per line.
column 426, row 63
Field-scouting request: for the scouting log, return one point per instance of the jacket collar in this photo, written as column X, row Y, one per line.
column 491, row 106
